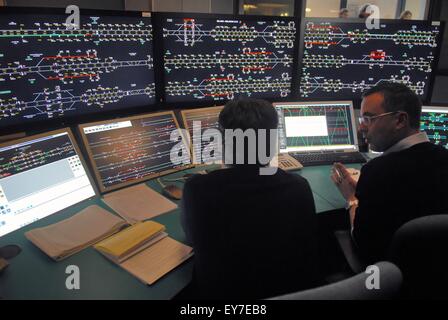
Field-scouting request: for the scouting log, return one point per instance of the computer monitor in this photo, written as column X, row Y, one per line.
column 205, row 118
column 222, row 57
column 434, row 121
column 40, row 175
column 316, row 126
column 134, row 149
column 340, row 60
column 50, row 72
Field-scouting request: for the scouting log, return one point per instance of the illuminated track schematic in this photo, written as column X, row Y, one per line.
column 342, row 59
column 57, row 102
column 131, row 149
column 189, row 32
column 435, row 124
column 327, row 34
column 27, row 157
column 47, row 71
column 90, row 31
column 221, row 59
column 66, row 67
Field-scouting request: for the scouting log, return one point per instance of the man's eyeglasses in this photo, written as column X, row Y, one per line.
column 367, row 120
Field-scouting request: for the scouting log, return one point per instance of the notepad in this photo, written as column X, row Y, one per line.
column 69, row 236
column 131, row 240
column 145, row 251
column 156, row 261
column 138, row 203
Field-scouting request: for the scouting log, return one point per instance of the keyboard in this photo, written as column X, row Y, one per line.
column 328, row 158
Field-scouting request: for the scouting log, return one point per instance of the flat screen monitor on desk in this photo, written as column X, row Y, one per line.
column 50, row 72
column 205, row 118
column 310, row 129
column 39, row 176
column 434, row 121
column 134, row 149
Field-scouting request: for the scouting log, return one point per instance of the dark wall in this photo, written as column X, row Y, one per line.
column 443, row 62
column 440, row 93
column 83, row 4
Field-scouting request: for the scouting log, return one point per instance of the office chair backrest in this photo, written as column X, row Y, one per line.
column 420, row 249
column 355, row 288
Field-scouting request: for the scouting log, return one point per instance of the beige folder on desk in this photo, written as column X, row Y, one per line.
column 145, row 251
column 69, row 236
column 153, row 263
column 138, row 203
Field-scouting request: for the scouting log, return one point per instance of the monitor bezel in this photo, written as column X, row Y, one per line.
column 438, row 108
column 334, row 102
column 78, row 153
column 73, row 120
column 88, row 150
column 192, row 103
column 357, row 102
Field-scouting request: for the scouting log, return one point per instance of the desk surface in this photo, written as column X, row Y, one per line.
column 33, row 275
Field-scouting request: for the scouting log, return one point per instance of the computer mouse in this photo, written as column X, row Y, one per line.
column 10, row 251
column 172, row 191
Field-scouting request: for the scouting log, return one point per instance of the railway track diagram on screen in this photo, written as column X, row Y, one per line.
column 436, row 127
column 47, row 71
column 341, row 60
column 218, row 59
column 30, row 156
column 132, row 149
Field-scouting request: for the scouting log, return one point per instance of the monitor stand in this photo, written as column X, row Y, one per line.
column 10, row 251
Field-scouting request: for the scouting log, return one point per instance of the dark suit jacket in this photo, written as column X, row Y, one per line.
column 396, row 188
column 253, row 236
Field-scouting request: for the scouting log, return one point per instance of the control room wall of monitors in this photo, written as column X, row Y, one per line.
column 222, row 57
column 119, row 62
column 39, row 176
column 434, row 121
column 130, row 150
column 48, row 71
column 339, row 60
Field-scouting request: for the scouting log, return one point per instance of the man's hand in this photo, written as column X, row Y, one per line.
column 344, row 181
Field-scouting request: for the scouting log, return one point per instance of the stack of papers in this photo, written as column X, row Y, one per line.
column 145, row 251
column 69, row 236
column 131, row 241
